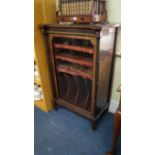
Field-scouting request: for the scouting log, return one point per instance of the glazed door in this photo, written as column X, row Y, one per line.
column 74, row 69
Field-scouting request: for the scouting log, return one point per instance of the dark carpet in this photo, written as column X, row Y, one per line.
column 65, row 133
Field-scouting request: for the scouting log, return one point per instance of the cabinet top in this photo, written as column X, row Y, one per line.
column 98, row 26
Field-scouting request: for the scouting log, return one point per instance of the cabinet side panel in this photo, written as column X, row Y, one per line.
column 104, row 64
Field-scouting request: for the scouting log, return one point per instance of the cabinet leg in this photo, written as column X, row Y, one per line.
column 56, row 106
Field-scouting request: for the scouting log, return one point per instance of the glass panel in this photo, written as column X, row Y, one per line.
column 74, row 69
column 75, row 90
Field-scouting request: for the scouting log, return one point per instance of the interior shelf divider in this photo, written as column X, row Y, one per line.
column 84, row 73
column 74, row 59
column 75, row 48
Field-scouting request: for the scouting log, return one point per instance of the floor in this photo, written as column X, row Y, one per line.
column 65, row 133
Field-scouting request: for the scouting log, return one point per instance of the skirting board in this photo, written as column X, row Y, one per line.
column 113, row 106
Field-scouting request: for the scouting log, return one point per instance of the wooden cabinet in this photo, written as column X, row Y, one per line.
column 81, row 61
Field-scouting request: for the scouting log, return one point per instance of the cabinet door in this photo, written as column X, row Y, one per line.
column 72, row 59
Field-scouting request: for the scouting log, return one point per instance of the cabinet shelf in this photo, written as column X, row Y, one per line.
column 38, row 102
column 74, row 59
column 76, row 71
column 75, row 48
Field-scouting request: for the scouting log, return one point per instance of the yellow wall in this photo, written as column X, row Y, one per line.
column 44, row 12
column 114, row 15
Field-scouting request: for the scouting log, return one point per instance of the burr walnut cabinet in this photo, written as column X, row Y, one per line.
column 81, row 59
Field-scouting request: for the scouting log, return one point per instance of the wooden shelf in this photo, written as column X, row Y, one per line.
column 82, row 18
column 75, row 59
column 75, row 48
column 76, row 71
column 38, row 101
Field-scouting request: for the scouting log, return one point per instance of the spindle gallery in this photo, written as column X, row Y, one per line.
column 81, row 11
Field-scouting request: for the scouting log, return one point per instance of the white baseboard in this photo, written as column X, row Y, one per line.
column 113, row 106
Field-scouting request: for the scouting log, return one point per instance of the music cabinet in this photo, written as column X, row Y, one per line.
column 81, row 59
